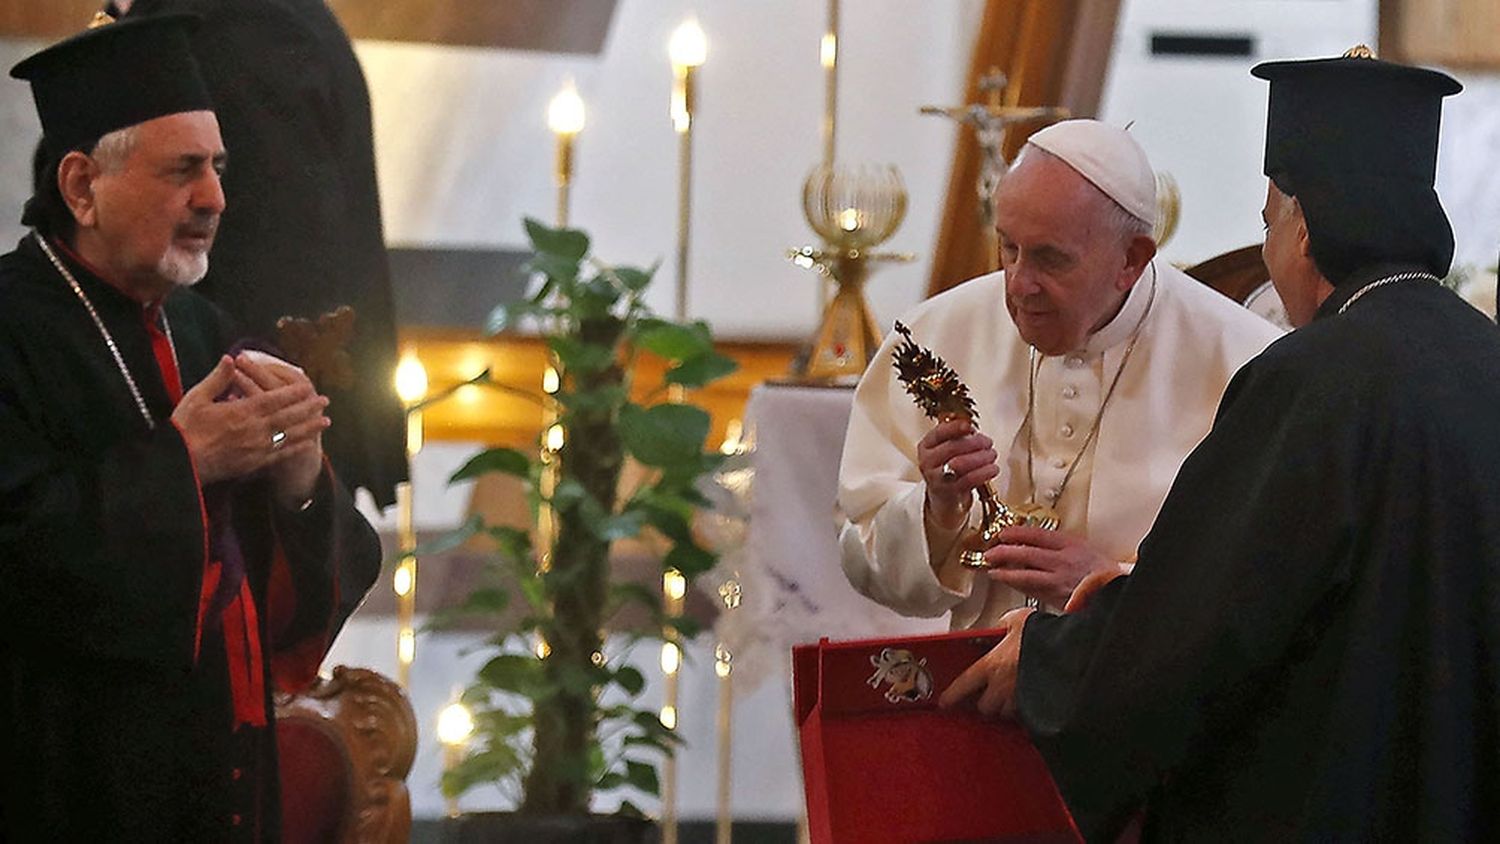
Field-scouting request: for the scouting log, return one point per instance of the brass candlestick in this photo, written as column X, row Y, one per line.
column 940, row 393
column 853, row 209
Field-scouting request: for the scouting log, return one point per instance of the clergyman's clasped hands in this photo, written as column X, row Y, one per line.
column 254, row 413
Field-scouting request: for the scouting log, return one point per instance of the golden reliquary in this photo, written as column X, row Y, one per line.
column 940, row 393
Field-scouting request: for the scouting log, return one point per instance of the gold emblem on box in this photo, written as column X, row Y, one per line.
column 909, row 679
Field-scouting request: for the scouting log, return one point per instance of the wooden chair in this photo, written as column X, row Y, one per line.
column 1236, row 273
column 345, row 747
column 1241, row 275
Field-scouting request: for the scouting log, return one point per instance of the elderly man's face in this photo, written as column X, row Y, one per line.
column 156, row 214
column 1067, row 269
column 1289, row 258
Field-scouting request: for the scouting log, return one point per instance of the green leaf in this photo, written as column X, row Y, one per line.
column 689, row 559
column 593, row 515
column 512, row 673
column 581, row 680
column 494, row 762
column 651, row 724
column 448, row 541
column 623, row 526
column 686, row 626
column 642, row 776
column 568, row 493
column 690, row 494
column 630, row 810
column 631, row 680
column 595, row 297
column 535, row 591
column 560, row 272
column 652, row 742
column 584, row 357
column 664, row 435
column 633, row 278
column 601, row 400
column 673, row 341
column 506, row 461
column 701, row 369
column 514, row 543
column 597, row 765
column 646, row 596
column 486, row 601
column 670, row 523
column 566, row 243
column 498, row 723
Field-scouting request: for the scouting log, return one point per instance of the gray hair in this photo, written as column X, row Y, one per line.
column 1124, row 223
column 113, row 150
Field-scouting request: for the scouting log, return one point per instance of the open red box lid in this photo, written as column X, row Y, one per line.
column 881, row 763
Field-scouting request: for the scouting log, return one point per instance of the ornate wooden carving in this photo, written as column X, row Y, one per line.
column 375, row 725
column 1054, row 52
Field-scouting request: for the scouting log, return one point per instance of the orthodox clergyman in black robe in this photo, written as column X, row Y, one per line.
column 173, row 546
column 1309, row 645
column 302, row 231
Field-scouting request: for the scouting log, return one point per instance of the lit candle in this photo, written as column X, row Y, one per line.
column 565, row 117
column 455, row 725
column 688, row 50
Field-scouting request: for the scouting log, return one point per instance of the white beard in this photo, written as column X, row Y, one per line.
column 183, row 267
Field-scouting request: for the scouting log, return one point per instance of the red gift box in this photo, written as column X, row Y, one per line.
column 881, row 763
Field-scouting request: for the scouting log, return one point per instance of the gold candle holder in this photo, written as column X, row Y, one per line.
column 411, row 388
column 853, row 209
column 688, row 50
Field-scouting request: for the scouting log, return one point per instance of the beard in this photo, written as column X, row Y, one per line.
column 183, row 267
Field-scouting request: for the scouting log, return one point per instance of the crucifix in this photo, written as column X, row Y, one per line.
column 990, row 120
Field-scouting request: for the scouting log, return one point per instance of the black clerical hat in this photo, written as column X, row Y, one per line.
column 1355, row 140
column 113, row 76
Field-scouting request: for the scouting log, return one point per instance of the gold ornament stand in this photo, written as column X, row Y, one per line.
column 853, row 209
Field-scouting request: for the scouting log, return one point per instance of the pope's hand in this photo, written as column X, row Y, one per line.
column 1044, row 564
column 234, row 439
column 994, row 673
column 954, row 460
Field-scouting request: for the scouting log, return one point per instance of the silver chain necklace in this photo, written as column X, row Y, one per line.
column 1029, row 422
column 109, row 340
column 1390, row 279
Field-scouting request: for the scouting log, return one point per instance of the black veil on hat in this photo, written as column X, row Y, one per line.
column 1355, row 140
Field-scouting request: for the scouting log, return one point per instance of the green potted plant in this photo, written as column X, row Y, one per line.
column 552, row 712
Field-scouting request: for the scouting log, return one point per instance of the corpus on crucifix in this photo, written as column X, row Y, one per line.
column 990, row 120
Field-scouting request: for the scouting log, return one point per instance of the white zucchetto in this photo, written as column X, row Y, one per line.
column 1109, row 158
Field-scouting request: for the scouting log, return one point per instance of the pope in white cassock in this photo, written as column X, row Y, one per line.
column 1094, row 366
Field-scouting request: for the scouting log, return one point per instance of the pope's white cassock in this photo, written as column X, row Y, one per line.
column 1191, row 341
